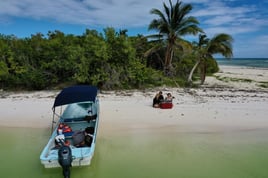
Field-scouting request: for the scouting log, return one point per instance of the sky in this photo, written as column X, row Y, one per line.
column 245, row 20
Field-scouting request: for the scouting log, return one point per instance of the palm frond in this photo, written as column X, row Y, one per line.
column 167, row 12
column 173, row 23
column 153, row 50
column 221, row 44
column 160, row 14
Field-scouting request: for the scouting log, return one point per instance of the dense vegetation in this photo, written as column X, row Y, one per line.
column 111, row 60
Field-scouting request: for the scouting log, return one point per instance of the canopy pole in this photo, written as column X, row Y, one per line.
column 53, row 121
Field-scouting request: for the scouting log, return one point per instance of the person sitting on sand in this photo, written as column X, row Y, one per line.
column 169, row 97
column 158, row 99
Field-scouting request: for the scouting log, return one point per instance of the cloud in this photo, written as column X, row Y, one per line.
column 129, row 13
column 241, row 19
column 218, row 14
column 251, row 47
column 261, row 41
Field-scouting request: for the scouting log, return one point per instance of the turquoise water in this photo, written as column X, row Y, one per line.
column 148, row 154
column 245, row 62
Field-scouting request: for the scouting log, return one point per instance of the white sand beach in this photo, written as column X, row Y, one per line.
column 243, row 78
column 219, row 106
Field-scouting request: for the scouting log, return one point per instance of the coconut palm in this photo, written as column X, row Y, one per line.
column 206, row 48
column 173, row 23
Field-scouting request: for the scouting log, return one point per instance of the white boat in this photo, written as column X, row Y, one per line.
column 80, row 106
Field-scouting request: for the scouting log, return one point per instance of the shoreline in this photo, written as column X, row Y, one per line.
column 218, row 106
column 242, row 67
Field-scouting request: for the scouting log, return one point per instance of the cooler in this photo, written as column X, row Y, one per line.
column 166, row 105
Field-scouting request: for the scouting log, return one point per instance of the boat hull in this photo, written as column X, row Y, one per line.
column 85, row 161
column 76, row 117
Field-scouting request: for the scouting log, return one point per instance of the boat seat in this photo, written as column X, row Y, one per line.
column 68, row 134
column 87, row 118
column 90, row 118
column 73, row 120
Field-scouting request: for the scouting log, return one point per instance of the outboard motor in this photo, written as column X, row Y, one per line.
column 65, row 160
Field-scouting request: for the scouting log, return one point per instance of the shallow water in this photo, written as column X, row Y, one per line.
column 147, row 154
column 245, row 62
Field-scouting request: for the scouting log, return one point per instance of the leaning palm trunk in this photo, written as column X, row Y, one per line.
column 203, row 72
column 192, row 71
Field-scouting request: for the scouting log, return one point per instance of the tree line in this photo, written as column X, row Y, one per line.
column 112, row 59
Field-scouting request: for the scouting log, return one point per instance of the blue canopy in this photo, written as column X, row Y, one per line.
column 75, row 94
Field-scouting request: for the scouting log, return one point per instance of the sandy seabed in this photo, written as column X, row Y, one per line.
column 233, row 101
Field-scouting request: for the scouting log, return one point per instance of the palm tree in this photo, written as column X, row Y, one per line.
column 172, row 24
column 205, row 48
